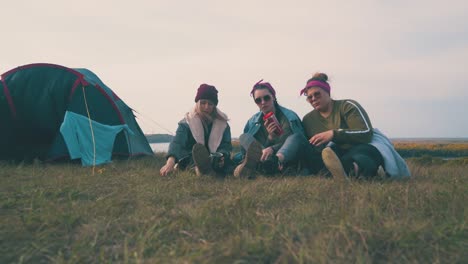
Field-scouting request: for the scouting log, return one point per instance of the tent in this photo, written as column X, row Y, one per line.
column 52, row 112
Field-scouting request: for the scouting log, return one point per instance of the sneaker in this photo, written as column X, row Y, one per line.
column 248, row 166
column 201, row 158
column 333, row 164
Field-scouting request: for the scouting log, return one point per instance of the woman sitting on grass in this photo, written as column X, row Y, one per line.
column 341, row 136
column 271, row 138
column 203, row 138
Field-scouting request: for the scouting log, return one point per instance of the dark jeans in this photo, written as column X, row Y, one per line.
column 366, row 156
column 188, row 163
column 311, row 157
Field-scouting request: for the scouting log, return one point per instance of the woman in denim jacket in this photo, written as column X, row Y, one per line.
column 268, row 145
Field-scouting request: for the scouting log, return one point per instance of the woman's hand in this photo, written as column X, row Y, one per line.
column 266, row 153
column 271, row 128
column 168, row 168
column 321, row 138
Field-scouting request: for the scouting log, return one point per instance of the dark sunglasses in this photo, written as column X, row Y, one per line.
column 265, row 98
column 317, row 95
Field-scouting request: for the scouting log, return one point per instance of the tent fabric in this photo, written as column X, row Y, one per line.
column 91, row 142
column 34, row 99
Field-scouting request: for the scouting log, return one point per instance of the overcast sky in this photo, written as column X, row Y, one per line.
column 406, row 62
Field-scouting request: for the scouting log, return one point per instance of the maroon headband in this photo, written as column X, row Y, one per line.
column 315, row 83
column 266, row 85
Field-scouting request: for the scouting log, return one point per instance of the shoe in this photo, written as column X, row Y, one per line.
column 271, row 165
column 248, row 166
column 292, row 170
column 201, row 158
column 333, row 164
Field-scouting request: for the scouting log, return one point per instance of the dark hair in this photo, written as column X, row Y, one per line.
column 264, row 87
column 319, row 76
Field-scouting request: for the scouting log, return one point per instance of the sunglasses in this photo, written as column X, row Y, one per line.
column 317, row 95
column 265, row 99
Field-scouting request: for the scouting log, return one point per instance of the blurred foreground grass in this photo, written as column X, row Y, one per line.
column 127, row 213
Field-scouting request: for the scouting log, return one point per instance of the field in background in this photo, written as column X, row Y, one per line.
column 437, row 148
column 126, row 212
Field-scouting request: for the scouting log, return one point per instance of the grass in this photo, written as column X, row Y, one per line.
column 432, row 148
column 127, row 213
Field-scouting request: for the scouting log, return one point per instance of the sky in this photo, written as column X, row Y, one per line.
column 405, row 62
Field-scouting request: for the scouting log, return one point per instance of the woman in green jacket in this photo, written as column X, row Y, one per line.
column 341, row 135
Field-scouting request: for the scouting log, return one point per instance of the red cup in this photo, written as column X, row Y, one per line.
column 272, row 118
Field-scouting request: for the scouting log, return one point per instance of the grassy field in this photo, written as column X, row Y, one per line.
column 441, row 148
column 127, row 213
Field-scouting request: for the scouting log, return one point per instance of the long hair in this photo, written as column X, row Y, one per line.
column 209, row 118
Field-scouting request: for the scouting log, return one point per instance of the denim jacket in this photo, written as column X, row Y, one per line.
column 256, row 121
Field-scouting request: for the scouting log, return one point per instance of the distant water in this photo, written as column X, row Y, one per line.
column 160, row 147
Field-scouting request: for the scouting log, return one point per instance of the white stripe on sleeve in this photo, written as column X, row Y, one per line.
column 363, row 118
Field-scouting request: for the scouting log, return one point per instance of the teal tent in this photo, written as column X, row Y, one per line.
column 52, row 112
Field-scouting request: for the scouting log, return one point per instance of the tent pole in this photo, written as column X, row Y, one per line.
column 91, row 127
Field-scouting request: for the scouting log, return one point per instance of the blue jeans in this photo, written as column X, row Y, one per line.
column 290, row 148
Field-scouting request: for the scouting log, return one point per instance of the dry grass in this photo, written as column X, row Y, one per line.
column 127, row 213
column 432, row 148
